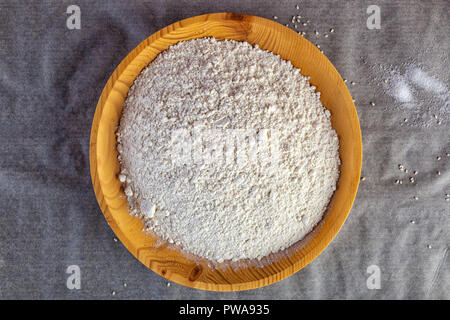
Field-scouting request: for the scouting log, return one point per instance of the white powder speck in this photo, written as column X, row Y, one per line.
column 227, row 150
column 401, row 90
column 425, row 81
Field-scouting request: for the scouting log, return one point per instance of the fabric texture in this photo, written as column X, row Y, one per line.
column 51, row 78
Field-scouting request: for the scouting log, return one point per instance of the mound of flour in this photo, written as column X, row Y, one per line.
column 226, row 150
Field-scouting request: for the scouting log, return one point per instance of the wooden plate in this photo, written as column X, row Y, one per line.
column 271, row 36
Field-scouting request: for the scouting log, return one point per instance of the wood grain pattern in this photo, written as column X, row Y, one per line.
column 270, row 36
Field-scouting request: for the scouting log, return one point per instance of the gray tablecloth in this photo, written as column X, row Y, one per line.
column 51, row 78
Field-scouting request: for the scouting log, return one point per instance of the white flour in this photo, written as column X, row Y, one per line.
column 226, row 150
column 424, row 98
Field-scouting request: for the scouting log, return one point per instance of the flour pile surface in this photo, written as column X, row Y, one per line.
column 226, row 150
